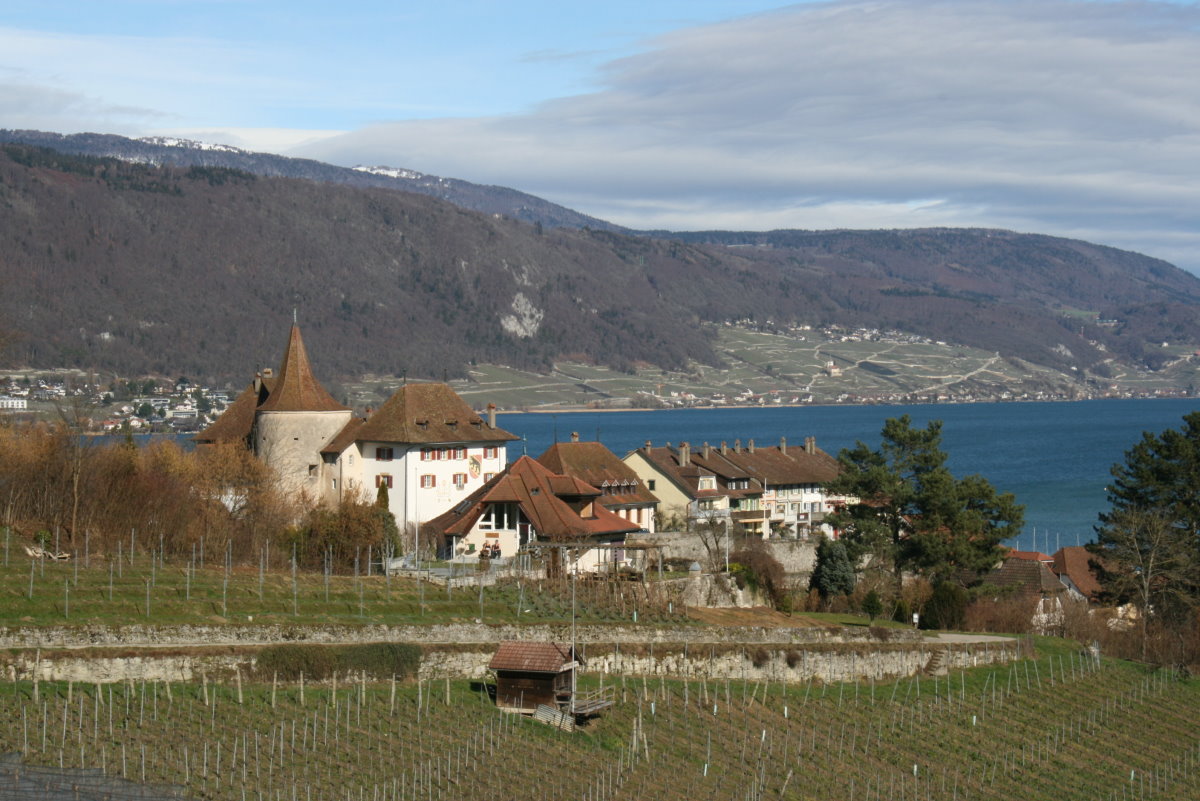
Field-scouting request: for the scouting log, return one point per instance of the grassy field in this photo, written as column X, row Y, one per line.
column 1056, row 728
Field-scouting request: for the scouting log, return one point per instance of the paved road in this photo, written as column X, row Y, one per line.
column 968, row 638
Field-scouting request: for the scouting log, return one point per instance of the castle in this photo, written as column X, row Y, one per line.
column 424, row 443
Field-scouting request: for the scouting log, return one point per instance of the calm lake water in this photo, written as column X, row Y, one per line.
column 1055, row 457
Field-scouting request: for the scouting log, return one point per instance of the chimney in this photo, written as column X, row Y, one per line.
column 491, row 409
column 750, row 445
column 810, row 445
column 707, row 451
column 648, row 445
column 685, row 454
column 783, row 445
column 724, row 448
column 737, row 446
column 258, row 383
column 574, row 436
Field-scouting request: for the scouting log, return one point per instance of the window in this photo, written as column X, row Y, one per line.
column 383, row 454
column 460, row 453
column 312, row 470
column 383, row 480
column 706, row 506
column 460, row 480
column 333, row 483
column 491, row 452
column 428, row 454
column 707, row 483
column 650, row 484
column 488, row 476
column 428, row 481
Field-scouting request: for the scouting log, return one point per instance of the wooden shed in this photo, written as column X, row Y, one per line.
column 529, row 674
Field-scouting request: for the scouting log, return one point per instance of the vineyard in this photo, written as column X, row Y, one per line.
column 1062, row 726
column 146, row 588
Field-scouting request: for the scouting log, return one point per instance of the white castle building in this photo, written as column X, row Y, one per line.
column 425, row 443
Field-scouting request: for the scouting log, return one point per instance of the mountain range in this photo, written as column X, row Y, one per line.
column 166, row 257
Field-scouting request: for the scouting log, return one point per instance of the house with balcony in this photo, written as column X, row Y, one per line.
column 772, row 491
column 528, row 507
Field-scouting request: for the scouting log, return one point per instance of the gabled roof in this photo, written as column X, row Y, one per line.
column 296, row 388
column 532, row 657
column 428, row 413
column 685, row 477
column 552, row 503
column 237, row 421
column 598, row 466
column 1074, row 562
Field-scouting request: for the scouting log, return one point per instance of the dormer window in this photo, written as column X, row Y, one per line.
column 707, row 483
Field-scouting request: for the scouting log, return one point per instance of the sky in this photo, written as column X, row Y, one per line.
column 1077, row 118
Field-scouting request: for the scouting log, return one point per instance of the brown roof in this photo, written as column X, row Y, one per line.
column 1032, row 556
column 1025, row 576
column 552, row 503
column 346, row 437
column 598, row 466
column 531, row 657
column 783, row 466
column 237, row 421
column 426, row 413
column 296, row 388
column 1074, row 562
column 685, row 477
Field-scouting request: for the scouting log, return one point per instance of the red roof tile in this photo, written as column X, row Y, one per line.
column 1074, row 562
column 552, row 504
column 531, row 657
column 237, row 421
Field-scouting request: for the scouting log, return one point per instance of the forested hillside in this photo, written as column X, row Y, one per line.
column 123, row 266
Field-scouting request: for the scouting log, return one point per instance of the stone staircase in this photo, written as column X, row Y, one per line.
column 936, row 666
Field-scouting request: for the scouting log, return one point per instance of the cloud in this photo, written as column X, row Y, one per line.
column 1057, row 116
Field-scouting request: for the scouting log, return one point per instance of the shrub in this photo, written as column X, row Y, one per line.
column 947, row 607
column 759, row 656
column 758, row 569
column 319, row 662
column 833, row 573
column 872, row 606
column 902, row 614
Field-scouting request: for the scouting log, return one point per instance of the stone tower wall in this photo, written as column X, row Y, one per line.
column 290, row 443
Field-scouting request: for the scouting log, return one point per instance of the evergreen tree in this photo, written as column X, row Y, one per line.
column 1148, row 543
column 912, row 514
column 833, row 573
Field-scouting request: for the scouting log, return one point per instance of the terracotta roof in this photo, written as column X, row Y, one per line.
column 296, row 388
column 598, row 466
column 237, row 421
column 552, row 504
column 531, row 657
column 427, row 413
column 1074, row 562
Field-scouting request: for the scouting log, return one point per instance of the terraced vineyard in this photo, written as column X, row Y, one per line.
column 1063, row 726
column 147, row 590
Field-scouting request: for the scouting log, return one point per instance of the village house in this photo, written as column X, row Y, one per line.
column 530, row 507
column 425, row 444
column 773, row 491
column 622, row 492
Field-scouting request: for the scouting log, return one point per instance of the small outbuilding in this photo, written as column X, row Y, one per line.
column 529, row 674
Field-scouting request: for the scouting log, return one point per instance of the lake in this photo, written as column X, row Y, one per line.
column 1055, row 457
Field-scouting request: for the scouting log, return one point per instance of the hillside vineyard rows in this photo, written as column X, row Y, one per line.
column 1062, row 726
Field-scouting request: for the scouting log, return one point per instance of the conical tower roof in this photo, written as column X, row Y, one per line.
column 296, row 388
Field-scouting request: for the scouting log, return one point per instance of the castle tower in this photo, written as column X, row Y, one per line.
column 295, row 421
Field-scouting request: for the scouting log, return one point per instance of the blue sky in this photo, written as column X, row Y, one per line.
column 1065, row 117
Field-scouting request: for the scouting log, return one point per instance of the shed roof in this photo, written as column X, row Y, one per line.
column 531, row 657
